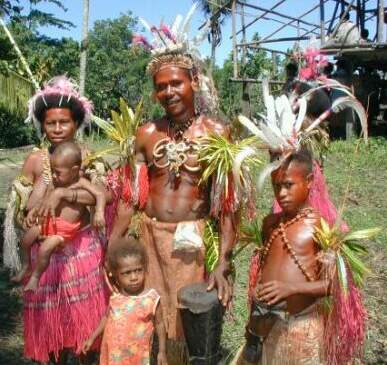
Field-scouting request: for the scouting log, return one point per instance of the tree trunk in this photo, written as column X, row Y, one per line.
column 85, row 29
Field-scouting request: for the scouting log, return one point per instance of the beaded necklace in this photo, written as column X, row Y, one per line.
column 178, row 129
column 281, row 231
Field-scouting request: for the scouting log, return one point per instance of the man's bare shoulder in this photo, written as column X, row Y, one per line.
column 216, row 125
column 147, row 129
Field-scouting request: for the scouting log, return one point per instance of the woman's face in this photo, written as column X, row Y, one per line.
column 59, row 125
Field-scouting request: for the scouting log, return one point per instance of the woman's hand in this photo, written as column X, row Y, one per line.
column 51, row 203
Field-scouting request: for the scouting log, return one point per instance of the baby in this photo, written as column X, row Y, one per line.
column 69, row 219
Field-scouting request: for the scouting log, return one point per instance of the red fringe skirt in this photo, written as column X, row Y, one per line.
column 70, row 301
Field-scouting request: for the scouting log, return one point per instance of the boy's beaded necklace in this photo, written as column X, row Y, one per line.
column 281, row 231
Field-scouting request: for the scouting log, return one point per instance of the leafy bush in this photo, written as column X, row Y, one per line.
column 14, row 132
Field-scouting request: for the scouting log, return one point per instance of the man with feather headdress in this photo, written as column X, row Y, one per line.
column 167, row 183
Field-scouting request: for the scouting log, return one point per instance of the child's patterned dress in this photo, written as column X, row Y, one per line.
column 129, row 328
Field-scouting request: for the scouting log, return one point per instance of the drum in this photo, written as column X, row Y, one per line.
column 202, row 317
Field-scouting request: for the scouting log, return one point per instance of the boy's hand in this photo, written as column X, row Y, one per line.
column 87, row 345
column 274, row 291
column 162, row 358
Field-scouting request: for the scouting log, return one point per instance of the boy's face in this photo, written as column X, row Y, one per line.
column 63, row 172
column 291, row 187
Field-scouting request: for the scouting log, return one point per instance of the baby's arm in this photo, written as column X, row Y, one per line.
column 98, row 332
column 161, row 334
column 100, row 198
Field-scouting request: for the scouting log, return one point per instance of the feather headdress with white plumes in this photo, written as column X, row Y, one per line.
column 283, row 127
column 172, row 46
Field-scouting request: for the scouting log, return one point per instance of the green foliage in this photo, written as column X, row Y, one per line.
column 13, row 131
column 117, row 70
column 211, row 243
column 121, row 132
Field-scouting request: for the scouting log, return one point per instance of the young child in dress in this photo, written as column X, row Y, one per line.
column 69, row 219
column 134, row 311
column 285, row 324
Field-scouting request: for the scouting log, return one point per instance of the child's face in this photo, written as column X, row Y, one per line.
column 63, row 173
column 130, row 274
column 291, row 187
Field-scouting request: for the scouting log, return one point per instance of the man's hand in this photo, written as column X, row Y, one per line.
column 51, row 203
column 274, row 291
column 219, row 280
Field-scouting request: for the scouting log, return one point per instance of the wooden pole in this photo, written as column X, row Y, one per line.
column 245, row 86
column 85, row 30
column 322, row 22
column 234, row 40
column 380, row 21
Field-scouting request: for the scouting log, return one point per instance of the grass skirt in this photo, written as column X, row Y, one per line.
column 70, row 300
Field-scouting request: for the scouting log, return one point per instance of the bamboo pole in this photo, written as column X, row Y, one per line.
column 234, row 41
column 20, row 54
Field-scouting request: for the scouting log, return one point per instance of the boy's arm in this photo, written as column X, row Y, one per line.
column 95, row 191
column 274, row 291
column 161, row 334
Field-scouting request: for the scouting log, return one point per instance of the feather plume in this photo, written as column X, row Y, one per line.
column 302, row 104
column 236, row 168
column 176, row 24
column 252, row 128
column 350, row 102
column 266, row 171
column 187, row 21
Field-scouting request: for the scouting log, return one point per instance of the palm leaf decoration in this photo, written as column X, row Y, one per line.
column 250, row 233
column 218, row 155
column 348, row 249
column 121, row 132
column 211, row 243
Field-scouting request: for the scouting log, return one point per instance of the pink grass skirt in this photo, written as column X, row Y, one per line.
column 70, row 301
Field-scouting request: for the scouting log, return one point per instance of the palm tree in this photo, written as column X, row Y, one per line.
column 216, row 10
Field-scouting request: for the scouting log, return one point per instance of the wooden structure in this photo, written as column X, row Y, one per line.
column 320, row 19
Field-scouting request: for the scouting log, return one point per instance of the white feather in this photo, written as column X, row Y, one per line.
column 350, row 102
column 252, row 128
column 266, row 171
column 238, row 160
column 176, row 24
column 302, row 104
column 274, row 140
column 146, row 25
column 287, row 118
column 187, row 21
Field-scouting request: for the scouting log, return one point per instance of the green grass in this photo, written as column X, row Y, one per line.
column 366, row 171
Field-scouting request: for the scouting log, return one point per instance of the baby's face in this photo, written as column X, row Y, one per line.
column 63, row 173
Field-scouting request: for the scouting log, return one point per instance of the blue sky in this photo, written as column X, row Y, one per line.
column 154, row 10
